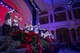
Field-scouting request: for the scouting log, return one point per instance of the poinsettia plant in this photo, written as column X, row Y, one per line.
column 32, row 41
column 19, row 36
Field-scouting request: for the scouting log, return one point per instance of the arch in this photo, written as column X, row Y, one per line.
column 63, row 35
column 76, row 5
column 78, row 32
column 73, row 32
column 76, row 13
column 59, row 9
column 60, row 17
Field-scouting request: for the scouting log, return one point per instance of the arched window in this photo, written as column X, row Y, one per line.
column 63, row 35
column 59, row 9
column 76, row 11
column 73, row 32
column 60, row 16
column 44, row 20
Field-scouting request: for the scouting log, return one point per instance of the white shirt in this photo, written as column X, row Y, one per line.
column 36, row 30
column 47, row 34
column 26, row 28
column 15, row 22
column 9, row 22
column 30, row 28
column 42, row 34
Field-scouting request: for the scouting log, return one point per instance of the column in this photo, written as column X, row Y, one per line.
column 73, row 18
column 67, row 16
column 55, row 36
column 53, row 18
column 37, row 17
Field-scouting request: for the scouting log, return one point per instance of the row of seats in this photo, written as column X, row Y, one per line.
column 2, row 38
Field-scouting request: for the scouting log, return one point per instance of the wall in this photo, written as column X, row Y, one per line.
column 68, row 24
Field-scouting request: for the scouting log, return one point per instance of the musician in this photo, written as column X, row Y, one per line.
column 8, row 43
column 15, row 23
column 30, row 27
column 26, row 28
column 37, row 29
column 7, row 23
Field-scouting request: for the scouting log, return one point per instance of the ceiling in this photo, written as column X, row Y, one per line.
column 52, row 4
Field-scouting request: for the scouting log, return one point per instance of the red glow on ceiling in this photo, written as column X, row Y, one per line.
column 3, row 11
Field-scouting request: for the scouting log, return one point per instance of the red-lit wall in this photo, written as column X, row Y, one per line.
column 3, row 11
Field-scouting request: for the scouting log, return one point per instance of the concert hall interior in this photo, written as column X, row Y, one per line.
column 39, row 26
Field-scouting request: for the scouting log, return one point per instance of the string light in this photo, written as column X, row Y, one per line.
column 35, row 6
column 10, row 9
column 32, row 3
column 70, row 2
column 6, row 6
column 1, row 3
